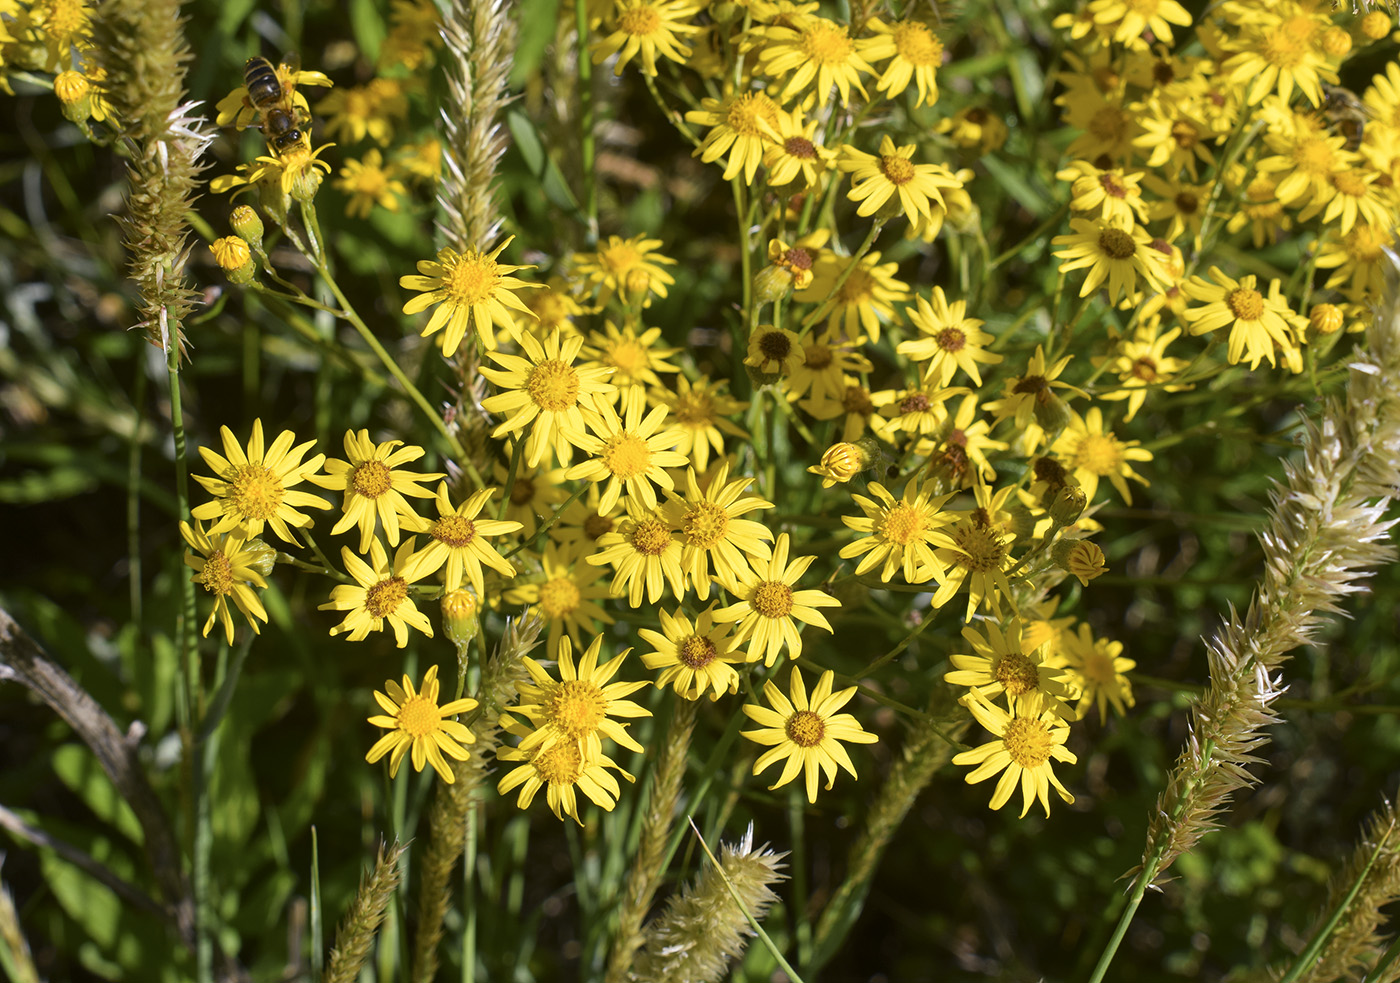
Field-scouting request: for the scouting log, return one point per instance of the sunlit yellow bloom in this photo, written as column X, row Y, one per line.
column 254, row 488
column 805, row 732
column 375, row 485
column 229, row 571
column 774, row 351
column 1022, row 752
column 827, row 361
column 980, row 555
column 743, row 125
column 768, row 606
column 379, row 594
column 711, row 528
column 699, row 411
column 1098, row 671
column 950, row 340
column 419, row 728
column 1259, row 324
column 1113, row 252
column 876, row 179
column 630, row 452
column 864, row 300
column 470, row 288
column 1111, row 194
column 915, row 54
column 901, row 533
column 840, row 463
column 696, row 658
column 565, row 596
column 1026, row 397
column 1141, row 363
column 581, row 706
column 645, row 553
column 795, row 155
column 1004, row 665
column 647, row 28
column 634, row 358
column 815, row 49
column 563, row 772
column 1278, row 56
column 630, row 267
column 1092, row 452
column 917, row 410
column 456, row 539
column 1130, row 18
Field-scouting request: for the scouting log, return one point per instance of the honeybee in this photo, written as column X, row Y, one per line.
column 275, row 100
column 1346, row 114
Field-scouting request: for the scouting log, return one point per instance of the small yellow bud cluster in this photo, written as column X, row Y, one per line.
column 74, row 95
column 234, row 258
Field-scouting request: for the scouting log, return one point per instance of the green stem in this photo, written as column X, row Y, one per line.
column 510, row 477
column 550, row 521
column 830, row 300
column 586, row 122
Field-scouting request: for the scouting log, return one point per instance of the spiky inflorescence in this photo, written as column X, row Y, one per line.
column 141, row 45
column 356, row 935
column 480, row 42
column 704, row 927
column 447, row 820
column 649, row 863
column 1326, row 535
column 1356, row 944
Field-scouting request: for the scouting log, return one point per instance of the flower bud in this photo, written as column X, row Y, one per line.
column 1051, row 412
column 264, row 556
column 1375, row 25
column 1068, row 505
column 234, row 258
column 1080, row 558
column 842, row 462
column 74, row 95
column 636, row 285
column 245, row 222
column 1325, row 318
column 1336, row 41
column 461, row 618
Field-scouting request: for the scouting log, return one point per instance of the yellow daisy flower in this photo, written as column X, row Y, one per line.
column 1357, row 195
column 774, row 351
column 815, row 49
column 795, row 157
column 951, row 340
column 372, row 110
column 1003, row 664
column 975, row 128
column 696, row 658
column 698, row 411
column 1091, row 453
column 563, row 772
column 472, row 288
column 1116, row 253
column 957, row 453
column 827, row 362
column 743, row 125
column 581, row 524
column 1098, row 672
column 634, row 358
column 1359, row 261
column 628, row 452
column 645, row 553
column 419, row 728
column 368, row 183
column 854, row 402
column 978, row 560
column 380, row 594
column 229, row 571
column 647, row 28
column 711, row 528
column 902, row 533
column 630, row 267
column 554, row 308
column 1111, row 194
column 579, row 708
column 768, row 605
column 805, row 732
column 456, row 539
column 917, row 411
column 253, row 489
column 1259, row 325
column 1141, row 363
column 915, row 54
column 866, row 298
column 1027, row 396
column 374, row 485
column 877, row 179
column 1276, row 57
column 537, row 492
column 1021, row 753
column 565, row 595
column 546, row 392
column 1130, row 18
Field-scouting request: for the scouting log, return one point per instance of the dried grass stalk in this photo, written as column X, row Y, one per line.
column 447, row 820
column 356, row 934
column 13, row 936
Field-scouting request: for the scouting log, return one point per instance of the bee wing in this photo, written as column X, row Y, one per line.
column 291, row 63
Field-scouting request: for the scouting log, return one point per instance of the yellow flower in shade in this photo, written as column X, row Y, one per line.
column 768, row 606
column 1357, row 195
column 1030, row 397
column 1092, row 452
column 1001, row 664
column 978, row 559
column 828, row 360
column 470, row 288
column 227, row 570
column 422, row 160
column 231, row 253
column 854, row 402
column 628, row 452
column 581, row 524
column 634, row 358
column 1130, row 18
column 1109, row 127
column 375, row 485
column 743, row 125
column 537, row 492
column 1180, row 205
column 915, row 54
column 368, row 183
column 1097, row 671
column 815, row 49
column 579, row 708
column 789, row 268
column 546, row 392
column 565, row 595
column 554, row 308
column 696, row 658
column 975, row 128
column 418, row 725
column 774, row 351
column 795, row 157
column 806, row 733
column 1110, row 194
column 698, row 411
column 957, row 211
column 1141, row 363
column 1079, row 558
column 1116, row 253
column 957, row 453
column 879, row 178
column 916, row 411
column 372, row 110
column 1259, row 325
column 950, row 340
column 630, row 267
column 379, row 594
column 253, row 489
column 864, row 300
column 647, row 28
column 901, row 533
column 457, row 539
column 1021, row 754
column 645, row 553
column 1359, row 261
column 711, row 528
column 563, row 772
column 1277, row 56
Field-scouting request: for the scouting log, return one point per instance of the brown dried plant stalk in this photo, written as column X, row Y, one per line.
column 356, row 934
column 447, row 820
column 648, row 865
column 141, row 45
column 1327, row 533
column 13, row 937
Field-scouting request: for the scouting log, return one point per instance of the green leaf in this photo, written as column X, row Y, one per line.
column 367, row 24
column 78, row 769
column 538, row 20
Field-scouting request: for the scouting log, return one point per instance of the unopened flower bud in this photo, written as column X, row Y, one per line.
column 74, row 95
column 1068, row 505
column 1325, row 318
column 234, row 258
column 841, row 463
column 636, row 284
column 1336, row 41
column 1375, row 25
column 461, row 618
column 1080, row 558
column 264, row 556
column 1051, row 412
column 245, row 222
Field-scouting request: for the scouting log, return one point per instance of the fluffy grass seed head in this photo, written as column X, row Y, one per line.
column 890, row 183
column 1021, row 753
column 645, row 552
column 419, row 728
column 1002, row 665
column 805, row 733
column 712, row 529
column 901, row 533
column 545, row 392
column 630, row 452
column 457, row 541
column 227, row 569
column 647, row 28
column 1097, row 672
column 253, row 488
column 578, row 708
column 694, row 658
column 949, row 340
column 380, row 593
column 470, row 288
column 1092, row 452
column 374, row 484
column 769, row 608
